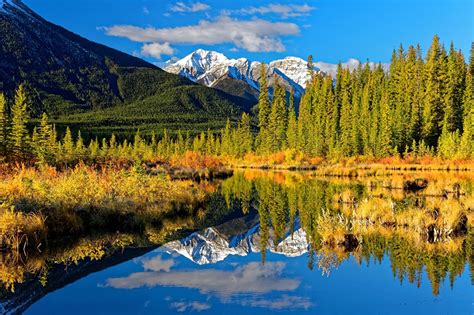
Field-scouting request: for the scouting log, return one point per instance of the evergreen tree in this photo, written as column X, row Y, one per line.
column 453, row 113
column 345, row 148
column 263, row 108
column 246, row 140
column 384, row 141
column 68, row 146
column 332, row 118
column 277, row 119
column 433, row 97
column 19, row 138
column 42, row 141
column 226, row 146
column 3, row 125
column 416, row 111
column 291, row 131
column 310, row 67
column 466, row 146
column 80, row 149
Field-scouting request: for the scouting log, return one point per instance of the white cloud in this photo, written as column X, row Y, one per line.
column 284, row 302
column 247, row 285
column 254, row 35
column 252, row 278
column 191, row 7
column 146, row 11
column 190, row 306
column 284, row 10
column 156, row 50
column 157, row 264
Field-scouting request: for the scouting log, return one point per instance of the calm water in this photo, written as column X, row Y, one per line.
column 281, row 244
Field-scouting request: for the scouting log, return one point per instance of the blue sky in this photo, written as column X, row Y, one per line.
column 331, row 30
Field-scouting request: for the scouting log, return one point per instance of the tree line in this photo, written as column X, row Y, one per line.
column 421, row 106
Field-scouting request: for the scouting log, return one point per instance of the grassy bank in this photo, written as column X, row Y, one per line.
column 41, row 205
column 350, row 167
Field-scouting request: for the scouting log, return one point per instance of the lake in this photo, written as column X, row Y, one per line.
column 271, row 242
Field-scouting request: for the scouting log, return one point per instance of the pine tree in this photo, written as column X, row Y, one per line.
column 355, row 114
column 384, row 141
column 80, row 148
column 291, row 131
column 416, row 111
column 332, row 119
column 263, row 109
column 304, row 122
column 246, row 142
column 277, row 119
column 3, row 126
column 19, row 138
column 310, row 67
column 210, row 146
column 226, row 146
column 433, row 104
column 42, row 141
column 411, row 110
column 68, row 146
column 365, row 118
column 466, row 146
column 345, row 148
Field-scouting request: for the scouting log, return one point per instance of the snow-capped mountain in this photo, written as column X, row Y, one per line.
column 216, row 70
column 214, row 244
column 240, row 76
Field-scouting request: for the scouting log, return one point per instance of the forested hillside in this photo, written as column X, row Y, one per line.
column 68, row 76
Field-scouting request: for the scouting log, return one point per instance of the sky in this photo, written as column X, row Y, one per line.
column 330, row 30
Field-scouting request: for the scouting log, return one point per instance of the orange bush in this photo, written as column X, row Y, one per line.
column 196, row 160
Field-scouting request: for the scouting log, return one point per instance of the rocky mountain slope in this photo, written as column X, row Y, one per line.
column 241, row 76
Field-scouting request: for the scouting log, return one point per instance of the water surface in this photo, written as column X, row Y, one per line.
column 282, row 243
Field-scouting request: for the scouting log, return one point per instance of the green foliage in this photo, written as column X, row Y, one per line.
column 3, row 125
column 277, row 121
column 88, row 86
column 19, row 138
column 433, row 98
column 416, row 109
column 292, row 130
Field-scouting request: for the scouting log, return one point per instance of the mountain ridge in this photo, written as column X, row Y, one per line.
column 211, row 67
column 92, row 86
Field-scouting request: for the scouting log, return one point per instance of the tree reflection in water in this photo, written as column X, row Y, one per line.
column 418, row 227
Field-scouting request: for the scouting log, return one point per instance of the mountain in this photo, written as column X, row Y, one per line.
column 94, row 86
column 240, row 76
column 237, row 237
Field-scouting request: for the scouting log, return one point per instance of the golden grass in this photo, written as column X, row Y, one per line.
column 44, row 202
column 18, row 230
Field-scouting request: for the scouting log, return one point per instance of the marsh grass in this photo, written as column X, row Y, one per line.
column 43, row 204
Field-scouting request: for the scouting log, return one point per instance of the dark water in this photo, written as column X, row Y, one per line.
column 281, row 244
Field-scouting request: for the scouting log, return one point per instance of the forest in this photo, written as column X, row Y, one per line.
column 419, row 107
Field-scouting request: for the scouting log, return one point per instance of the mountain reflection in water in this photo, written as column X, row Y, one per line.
column 289, row 243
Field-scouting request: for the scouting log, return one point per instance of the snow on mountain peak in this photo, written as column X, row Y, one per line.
column 210, row 67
